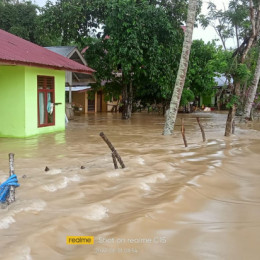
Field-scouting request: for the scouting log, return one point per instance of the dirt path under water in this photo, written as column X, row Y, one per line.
column 170, row 202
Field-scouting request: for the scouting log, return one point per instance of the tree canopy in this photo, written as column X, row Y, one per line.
column 19, row 19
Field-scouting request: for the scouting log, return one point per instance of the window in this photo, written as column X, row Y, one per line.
column 46, row 99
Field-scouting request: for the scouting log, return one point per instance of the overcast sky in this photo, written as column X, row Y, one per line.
column 206, row 35
column 209, row 33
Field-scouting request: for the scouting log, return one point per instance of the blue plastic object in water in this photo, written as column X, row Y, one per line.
column 5, row 187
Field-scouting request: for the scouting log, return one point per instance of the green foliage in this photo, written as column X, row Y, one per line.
column 69, row 21
column 241, row 73
column 234, row 100
column 144, row 43
column 19, row 19
column 187, row 96
column 202, row 68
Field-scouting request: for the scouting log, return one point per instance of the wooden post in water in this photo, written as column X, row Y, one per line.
column 112, row 148
column 183, row 133
column 201, row 129
column 11, row 197
column 114, row 161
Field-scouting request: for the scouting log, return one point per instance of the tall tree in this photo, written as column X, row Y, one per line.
column 179, row 84
column 242, row 21
column 250, row 34
column 252, row 91
column 142, row 41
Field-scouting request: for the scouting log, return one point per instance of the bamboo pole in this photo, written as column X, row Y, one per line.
column 112, row 148
column 11, row 196
column 201, row 129
column 183, row 133
column 114, row 161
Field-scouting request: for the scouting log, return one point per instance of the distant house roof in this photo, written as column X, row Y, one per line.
column 17, row 51
column 70, row 52
column 221, row 80
column 62, row 50
column 73, row 53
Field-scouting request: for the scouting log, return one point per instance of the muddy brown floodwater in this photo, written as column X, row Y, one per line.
column 170, row 202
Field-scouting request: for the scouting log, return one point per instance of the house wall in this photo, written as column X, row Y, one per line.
column 79, row 98
column 31, row 112
column 12, row 101
column 104, row 104
column 18, row 101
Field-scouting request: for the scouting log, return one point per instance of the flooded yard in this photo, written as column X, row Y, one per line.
column 170, row 202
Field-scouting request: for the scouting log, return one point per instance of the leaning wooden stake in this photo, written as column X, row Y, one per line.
column 11, row 197
column 114, row 161
column 183, row 133
column 201, row 129
column 112, row 148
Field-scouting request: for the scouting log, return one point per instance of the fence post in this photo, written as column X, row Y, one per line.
column 183, row 132
column 201, row 129
column 11, row 197
column 112, row 148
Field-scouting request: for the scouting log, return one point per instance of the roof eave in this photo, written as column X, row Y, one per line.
column 31, row 64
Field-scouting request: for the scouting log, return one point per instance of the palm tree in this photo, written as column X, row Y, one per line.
column 181, row 76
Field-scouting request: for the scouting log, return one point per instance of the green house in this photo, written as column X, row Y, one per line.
column 32, row 87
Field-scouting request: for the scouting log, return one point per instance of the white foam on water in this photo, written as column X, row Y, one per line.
column 212, row 142
column 187, row 154
column 35, row 206
column 31, row 206
column 150, row 179
column 217, row 163
column 198, row 159
column 53, row 172
column 144, row 186
column 140, row 161
column 20, row 253
column 96, row 212
column 194, row 181
column 180, row 196
column 63, row 184
column 153, row 178
column 217, row 154
column 113, row 174
column 5, row 222
column 25, row 254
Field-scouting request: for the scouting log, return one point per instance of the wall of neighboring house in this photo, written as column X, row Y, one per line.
column 18, row 101
column 91, row 102
column 79, row 98
column 104, row 104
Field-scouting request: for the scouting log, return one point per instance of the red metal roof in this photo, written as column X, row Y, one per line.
column 17, row 51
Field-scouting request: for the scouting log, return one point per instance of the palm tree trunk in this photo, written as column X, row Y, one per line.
column 232, row 111
column 252, row 91
column 181, row 76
